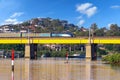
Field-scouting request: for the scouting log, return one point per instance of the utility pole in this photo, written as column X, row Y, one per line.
column 28, row 37
column 89, row 36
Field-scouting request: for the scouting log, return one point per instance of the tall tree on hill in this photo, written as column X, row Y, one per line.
column 94, row 26
column 100, row 32
column 114, row 27
column 93, row 29
column 114, row 30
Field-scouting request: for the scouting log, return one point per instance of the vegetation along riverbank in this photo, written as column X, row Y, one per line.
column 112, row 58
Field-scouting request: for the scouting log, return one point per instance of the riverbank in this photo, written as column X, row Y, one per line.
column 112, row 59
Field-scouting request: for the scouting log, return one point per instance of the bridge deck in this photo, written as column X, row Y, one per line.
column 59, row 40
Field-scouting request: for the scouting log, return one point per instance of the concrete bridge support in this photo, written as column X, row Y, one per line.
column 30, row 51
column 27, row 51
column 33, row 51
column 91, row 51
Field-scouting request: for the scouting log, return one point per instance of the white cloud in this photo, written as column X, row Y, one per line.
column 109, row 25
column 13, row 19
column 87, row 9
column 81, row 22
column 83, row 7
column 16, row 14
column 115, row 7
column 91, row 11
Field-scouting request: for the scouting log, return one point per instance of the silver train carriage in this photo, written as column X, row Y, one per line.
column 13, row 35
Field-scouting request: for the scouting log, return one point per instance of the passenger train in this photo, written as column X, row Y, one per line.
column 19, row 34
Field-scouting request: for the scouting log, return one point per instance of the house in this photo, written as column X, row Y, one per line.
column 54, row 47
column 83, row 29
column 23, row 31
column 6, row 28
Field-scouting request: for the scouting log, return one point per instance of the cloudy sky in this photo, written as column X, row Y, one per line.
column 78, row 12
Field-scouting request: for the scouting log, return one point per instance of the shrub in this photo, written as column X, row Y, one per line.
column 112, row 58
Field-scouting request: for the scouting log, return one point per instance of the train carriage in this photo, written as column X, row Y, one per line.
column 24, row 35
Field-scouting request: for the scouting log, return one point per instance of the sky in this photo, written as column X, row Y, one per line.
column 79, row 12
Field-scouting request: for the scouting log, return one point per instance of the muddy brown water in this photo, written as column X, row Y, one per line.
column 58, row 69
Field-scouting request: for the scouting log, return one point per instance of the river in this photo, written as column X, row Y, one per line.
column 57, row 69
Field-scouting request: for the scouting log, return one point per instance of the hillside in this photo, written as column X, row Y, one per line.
column 44, row 25
column 47, row 25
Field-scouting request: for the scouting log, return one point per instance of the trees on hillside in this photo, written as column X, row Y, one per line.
column 114, row 30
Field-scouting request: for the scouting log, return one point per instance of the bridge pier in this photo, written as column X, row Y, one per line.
column 91, row 51
column 30, row 51
column 33, row 51
column 27, row 51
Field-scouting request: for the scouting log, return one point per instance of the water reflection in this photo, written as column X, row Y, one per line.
column 12, row 77
column 88, row 70
column 27, row 70
column 57, row 69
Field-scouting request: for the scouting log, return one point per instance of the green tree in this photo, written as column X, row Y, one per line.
column 26, row 23
column 114, row 27
column 94, row 26
column 109, row 47
column 116, row 48
column 100, row 32
column 17, row 47
column 101, row 52
column 93, row 29
column 114, row 30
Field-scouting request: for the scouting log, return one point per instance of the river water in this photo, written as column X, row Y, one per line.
column 57, row 69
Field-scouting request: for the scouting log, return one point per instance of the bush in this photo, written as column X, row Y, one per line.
column 113, row 58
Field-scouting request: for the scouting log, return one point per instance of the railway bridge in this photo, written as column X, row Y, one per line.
column 90, row 43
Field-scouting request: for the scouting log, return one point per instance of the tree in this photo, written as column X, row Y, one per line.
column 101, row 52
column 100, row 32
column 17, row 47
column 114, row 27
column 116, row 48
column 94, row 26
column 109, row 47
column 93, row 29
column 26, row 23
column 114, row 30
column 81, row 33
